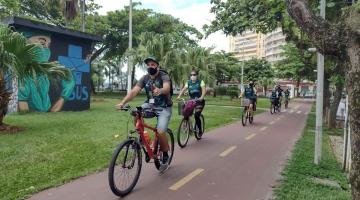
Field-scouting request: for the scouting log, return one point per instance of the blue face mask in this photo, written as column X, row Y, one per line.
column 152, row 71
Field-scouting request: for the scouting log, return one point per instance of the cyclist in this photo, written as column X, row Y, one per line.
column 279, row 95
column 276, row 95
column 197, row 91
column 251, row 94
column 287, row 95
column 157, row 87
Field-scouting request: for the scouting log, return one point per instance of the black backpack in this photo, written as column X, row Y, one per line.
column 171, row 84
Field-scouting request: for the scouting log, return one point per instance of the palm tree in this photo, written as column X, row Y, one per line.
column 165, row 49
column 265, row 83
column 70, row 9
column 18, row 59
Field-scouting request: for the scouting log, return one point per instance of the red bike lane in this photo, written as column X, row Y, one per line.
column 231, row 162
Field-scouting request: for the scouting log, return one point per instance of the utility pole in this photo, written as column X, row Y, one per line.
column 130, row 48
column 319, row 97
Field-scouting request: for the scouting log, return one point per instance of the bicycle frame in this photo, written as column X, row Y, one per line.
column 140, row 127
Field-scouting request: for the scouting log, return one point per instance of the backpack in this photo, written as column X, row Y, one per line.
column 249, row 92
column 171, row 84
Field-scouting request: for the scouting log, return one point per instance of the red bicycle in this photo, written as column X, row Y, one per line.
column 126, row 162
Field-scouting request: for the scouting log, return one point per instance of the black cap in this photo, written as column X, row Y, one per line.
column 151, row 58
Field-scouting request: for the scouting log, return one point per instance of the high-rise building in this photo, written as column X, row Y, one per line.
column 246, row 46
column 272, row 46
column 256, row 45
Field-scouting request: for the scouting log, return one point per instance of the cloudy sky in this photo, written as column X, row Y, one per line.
column 193, row 12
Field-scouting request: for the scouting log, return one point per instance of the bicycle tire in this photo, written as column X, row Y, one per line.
column 171, row 151
column 197, row 134
column 272, row 108
column 244, row 116
column 130, row 143
column 181, row 132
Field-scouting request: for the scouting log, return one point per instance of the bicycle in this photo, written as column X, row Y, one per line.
column 131, row 148
column 274, row 108
column 248, row 112
column 187, row 127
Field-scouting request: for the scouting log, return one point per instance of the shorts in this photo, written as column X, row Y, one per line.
column 163, row 116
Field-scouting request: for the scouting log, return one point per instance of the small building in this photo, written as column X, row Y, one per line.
column 70, row 48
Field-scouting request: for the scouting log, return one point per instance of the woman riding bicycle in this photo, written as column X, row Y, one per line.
column 197, row 91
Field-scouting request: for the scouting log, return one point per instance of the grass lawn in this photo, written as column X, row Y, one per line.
column 300, row 170
column 58, row 147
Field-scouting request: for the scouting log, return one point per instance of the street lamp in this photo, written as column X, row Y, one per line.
column 319, row 96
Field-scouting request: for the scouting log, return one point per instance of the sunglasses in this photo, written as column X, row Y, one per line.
column 193, row 74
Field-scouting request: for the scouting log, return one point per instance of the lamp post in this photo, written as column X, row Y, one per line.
column 130, row 48
column 319, row 97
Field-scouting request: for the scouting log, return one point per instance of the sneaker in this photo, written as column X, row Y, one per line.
column 165, row 158
column 164, row 165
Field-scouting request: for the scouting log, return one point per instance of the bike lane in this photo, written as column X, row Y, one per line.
column 231, row 162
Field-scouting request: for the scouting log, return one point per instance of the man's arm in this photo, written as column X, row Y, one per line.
column 130, row 96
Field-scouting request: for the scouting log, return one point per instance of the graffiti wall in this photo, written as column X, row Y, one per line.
column 45, row 95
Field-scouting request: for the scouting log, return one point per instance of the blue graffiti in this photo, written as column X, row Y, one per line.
column 78, row 66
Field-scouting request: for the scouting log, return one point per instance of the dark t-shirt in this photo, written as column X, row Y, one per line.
column 147, row 83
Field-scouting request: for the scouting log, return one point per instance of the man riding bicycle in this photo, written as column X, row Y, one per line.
column 157, row 87
column 197, row 91
column 276, row 96
column 251, row 94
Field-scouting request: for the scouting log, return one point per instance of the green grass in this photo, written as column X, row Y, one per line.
column 300, row 170
column 227, row 101
column 58, row 147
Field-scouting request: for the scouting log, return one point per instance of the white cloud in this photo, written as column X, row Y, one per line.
column 188, row 11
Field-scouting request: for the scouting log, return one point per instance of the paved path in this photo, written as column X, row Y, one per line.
column 229, row 163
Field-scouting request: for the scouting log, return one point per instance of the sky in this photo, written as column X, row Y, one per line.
column 192, row 12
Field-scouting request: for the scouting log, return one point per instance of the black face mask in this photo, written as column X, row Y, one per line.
column 251, row 84
column 152, row 71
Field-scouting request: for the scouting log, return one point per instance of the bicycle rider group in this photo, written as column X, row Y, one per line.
column 160, row 147
column 158, row 88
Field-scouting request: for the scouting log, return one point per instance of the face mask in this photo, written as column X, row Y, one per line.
column 152, row 71
column 193, row 78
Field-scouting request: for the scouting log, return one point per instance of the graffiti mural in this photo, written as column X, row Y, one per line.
column 69, row 48
column 33, row 94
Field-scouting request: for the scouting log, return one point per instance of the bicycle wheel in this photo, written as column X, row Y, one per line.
column 244, row 116
column 198, row 135
column 125, row 168
column 170, row 152
column 286, row 104
column 272, row 108
column 183, row 133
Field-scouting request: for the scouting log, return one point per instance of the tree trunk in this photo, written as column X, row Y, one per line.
column 334, row 106
column 133, row 75
column 340, row 40
column 297, row 87
column 4, row 99
column 353, row 89
column 327, row 95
